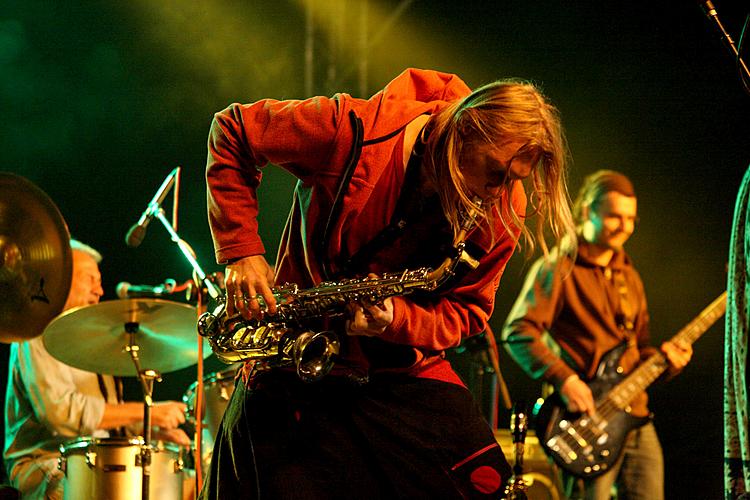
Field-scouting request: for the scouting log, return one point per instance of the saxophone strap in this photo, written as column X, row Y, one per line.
column 358, row 142
column 400, row 219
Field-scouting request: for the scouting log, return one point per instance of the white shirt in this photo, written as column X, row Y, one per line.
column 48, row 403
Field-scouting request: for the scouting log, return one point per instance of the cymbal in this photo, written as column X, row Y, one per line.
column 93, row 338
column 36, row 265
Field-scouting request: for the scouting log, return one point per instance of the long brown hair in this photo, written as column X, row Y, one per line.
column 497, row 113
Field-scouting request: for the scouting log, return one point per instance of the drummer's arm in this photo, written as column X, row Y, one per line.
column 53, row 394
column 165, row 415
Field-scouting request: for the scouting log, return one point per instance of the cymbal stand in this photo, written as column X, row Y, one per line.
column 147, row 378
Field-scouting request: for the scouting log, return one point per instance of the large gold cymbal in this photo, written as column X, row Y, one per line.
column 35, row 259
column 94, row 338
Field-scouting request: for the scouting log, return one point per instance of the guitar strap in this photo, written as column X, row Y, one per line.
column 625, row 315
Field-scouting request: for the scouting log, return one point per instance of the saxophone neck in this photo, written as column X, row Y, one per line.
column 468, row 221
column 448, row 267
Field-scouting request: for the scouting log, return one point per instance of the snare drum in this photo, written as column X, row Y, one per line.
column 110, row 468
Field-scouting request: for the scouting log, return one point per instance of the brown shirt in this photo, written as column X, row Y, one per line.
column 571, row 313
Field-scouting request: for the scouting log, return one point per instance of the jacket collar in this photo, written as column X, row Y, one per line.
column 619, row 260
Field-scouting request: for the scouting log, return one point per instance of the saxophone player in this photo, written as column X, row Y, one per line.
column 383, row 186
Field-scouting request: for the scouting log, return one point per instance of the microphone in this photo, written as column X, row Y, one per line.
column 138, row 231
column 709, row 10
column 125, row 290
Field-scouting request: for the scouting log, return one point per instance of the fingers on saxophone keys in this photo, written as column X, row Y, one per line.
column 269, row 300
column 231, row 294
column 251, row 305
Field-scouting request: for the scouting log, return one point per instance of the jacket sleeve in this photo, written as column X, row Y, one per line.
column 52, row 392
column 462, row 312
column 526, row 327
column 295, row 135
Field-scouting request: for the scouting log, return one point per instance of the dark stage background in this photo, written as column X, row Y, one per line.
column 101, row 100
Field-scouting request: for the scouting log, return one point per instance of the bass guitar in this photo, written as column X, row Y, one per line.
column 587, row 445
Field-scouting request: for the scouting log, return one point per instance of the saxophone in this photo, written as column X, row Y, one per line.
column 283, row 339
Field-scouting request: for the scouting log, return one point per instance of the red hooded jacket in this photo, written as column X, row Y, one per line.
column 315, row 140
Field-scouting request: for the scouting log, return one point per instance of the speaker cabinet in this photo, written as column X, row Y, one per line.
column 539, row 475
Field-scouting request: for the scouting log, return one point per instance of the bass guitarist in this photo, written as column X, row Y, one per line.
column 573, row 310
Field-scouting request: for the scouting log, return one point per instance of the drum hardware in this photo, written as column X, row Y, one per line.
column 147, row 378
column 36, row 264
column 179, row 464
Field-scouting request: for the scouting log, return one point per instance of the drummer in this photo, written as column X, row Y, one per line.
column 49, row 403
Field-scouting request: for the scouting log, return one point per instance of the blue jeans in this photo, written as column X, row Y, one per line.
column 638, row 474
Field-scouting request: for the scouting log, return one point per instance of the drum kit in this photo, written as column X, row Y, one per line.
column 139, row 337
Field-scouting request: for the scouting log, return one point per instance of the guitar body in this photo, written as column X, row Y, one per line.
column 587, row 446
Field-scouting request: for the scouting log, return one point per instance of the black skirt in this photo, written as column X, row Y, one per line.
column 392, row 437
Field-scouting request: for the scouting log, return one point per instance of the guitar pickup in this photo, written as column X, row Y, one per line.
column 562, row 448
column 585, row 446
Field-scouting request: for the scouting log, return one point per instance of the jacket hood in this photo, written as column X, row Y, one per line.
column 410, row 94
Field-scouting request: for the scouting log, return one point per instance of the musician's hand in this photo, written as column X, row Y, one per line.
column 369, row 319
column 172, row 435
column 577, row 395
column 678, row 354
column 168, row 414
column 245, row 279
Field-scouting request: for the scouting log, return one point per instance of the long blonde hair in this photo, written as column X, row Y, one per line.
column 495, row 114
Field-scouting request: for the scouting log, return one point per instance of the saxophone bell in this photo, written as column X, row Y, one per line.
column 314, row 354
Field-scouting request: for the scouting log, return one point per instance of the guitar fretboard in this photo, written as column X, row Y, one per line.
column 648, row 371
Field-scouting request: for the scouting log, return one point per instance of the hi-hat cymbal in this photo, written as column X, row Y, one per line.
column 35, row 259
column 94, row 338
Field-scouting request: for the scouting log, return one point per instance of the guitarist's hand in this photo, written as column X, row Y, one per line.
column 577, row 395
column 678, row 354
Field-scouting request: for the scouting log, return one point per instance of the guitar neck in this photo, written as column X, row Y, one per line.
column 649, row 370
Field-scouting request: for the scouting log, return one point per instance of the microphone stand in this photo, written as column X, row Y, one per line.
column 710, row 11
column 204, row 285
column 519, row 422
column 209, row 287
column 189, row 254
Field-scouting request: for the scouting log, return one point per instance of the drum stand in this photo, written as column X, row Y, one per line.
column 147, row 378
